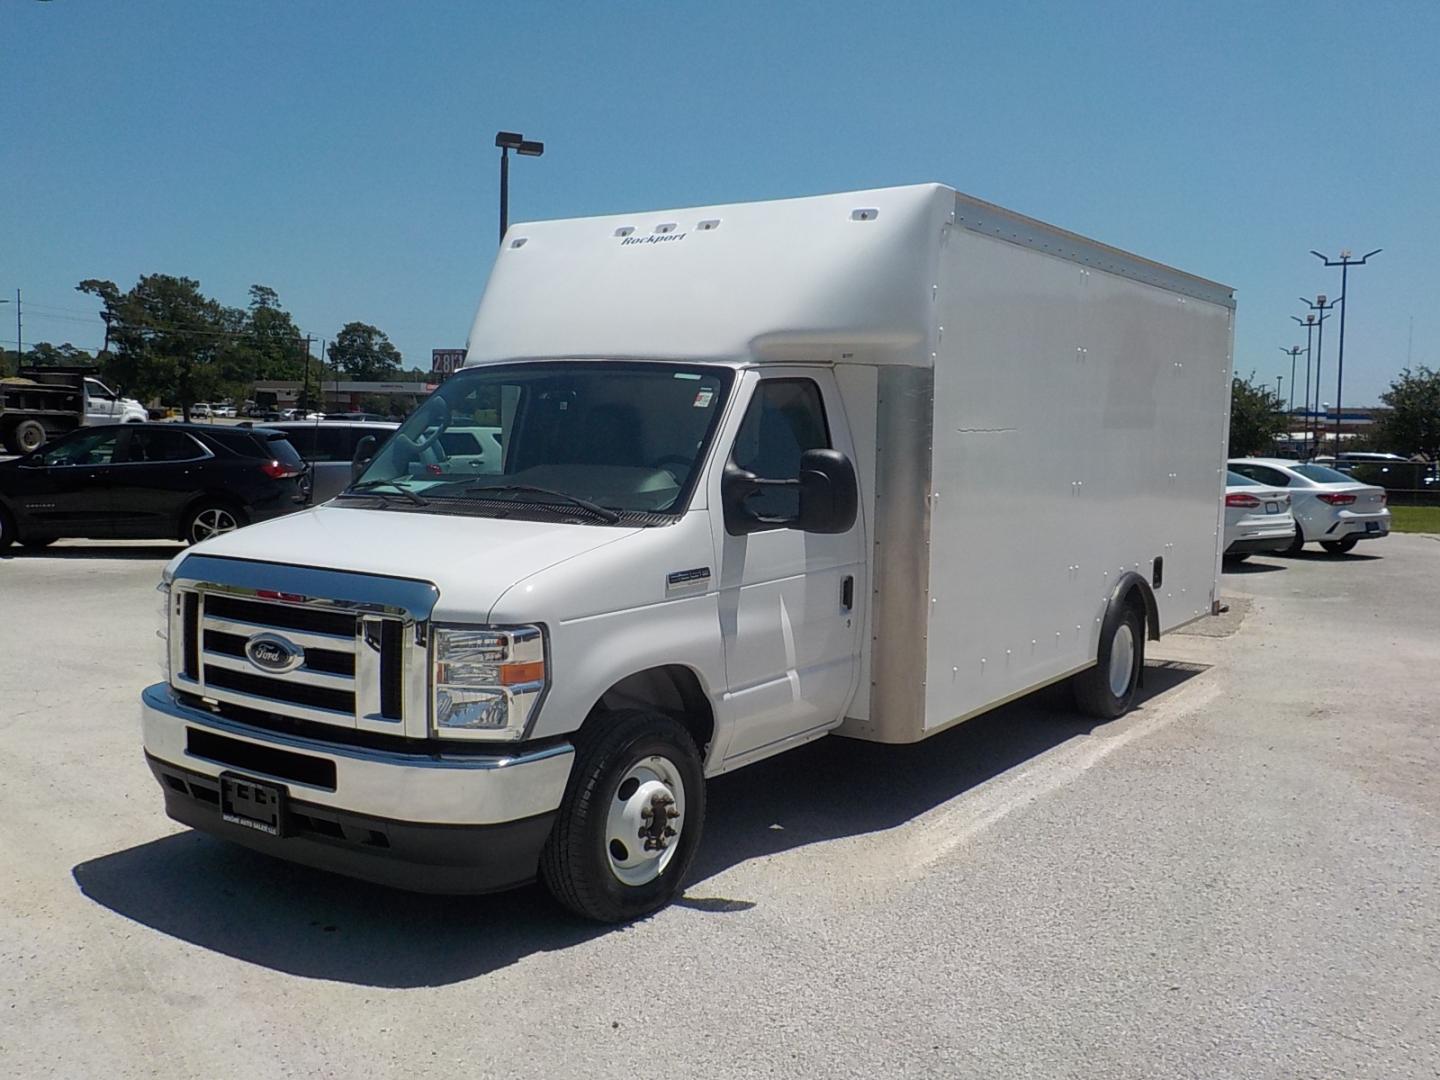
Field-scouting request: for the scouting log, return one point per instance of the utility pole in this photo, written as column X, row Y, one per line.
column 19, row 344
column 305, row 393
column 1344, row 262
column 1321, row 306
column 1309, row 323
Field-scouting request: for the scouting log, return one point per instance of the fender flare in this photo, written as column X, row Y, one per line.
column 1131, row 580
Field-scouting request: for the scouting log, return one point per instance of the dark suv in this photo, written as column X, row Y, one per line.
column 149, row 481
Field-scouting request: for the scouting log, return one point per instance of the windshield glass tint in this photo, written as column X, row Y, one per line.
column 1321, row 475
column 1234, row 479
column 627, row 436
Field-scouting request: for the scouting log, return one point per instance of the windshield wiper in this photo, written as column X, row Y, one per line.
column 371, row 485
column 604, row 513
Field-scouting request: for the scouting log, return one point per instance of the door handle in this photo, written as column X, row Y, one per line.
column 847, row 592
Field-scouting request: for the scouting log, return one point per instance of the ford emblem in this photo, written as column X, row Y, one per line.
column 273, row 653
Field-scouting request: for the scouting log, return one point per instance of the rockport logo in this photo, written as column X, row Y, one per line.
column 653, row 238
column 273, row 653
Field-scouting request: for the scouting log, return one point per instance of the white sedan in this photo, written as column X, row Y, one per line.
column 1330, row 508
column 1257, row 518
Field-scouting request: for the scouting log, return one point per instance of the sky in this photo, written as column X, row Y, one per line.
column 342, row 153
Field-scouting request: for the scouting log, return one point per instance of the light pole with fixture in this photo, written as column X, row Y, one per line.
column 1324, row 309
column 507, row 141
column 1344, row 262
column 1293, row 352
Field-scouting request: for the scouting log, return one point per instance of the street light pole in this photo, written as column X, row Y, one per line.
column 1344, row 262
column 1293, row 352
column 1321, row 306
column 1309, row 323
column 507, row 141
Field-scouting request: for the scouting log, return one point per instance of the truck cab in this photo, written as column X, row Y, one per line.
column 105, row 406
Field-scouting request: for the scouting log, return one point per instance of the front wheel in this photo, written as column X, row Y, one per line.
column 630, row 822
column 212, row 519
column 1298, row 543
column 1107, row 690
column 1340, row 547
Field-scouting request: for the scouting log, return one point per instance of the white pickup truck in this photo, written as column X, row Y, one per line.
column 867, row 464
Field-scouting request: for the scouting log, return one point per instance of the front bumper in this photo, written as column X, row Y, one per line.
column 424, row 822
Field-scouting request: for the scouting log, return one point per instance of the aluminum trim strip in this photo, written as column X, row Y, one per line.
column 281, row 708
column 309, row 639
column 158, row 697
column 337, row 589
column 324, row 679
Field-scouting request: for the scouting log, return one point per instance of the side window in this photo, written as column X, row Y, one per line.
column 161, row 444
column 86, row 448
column 303, row 440
column 332, row 444
column 786, row 417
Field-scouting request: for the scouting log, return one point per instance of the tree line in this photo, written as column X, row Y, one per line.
column 166, row 340
column 1409, row 423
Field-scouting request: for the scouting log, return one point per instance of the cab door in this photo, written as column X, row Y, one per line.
column 787, row 598
column 66, row 489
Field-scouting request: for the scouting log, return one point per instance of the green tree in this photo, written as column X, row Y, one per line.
column 1413, row 423
column 165, row 336
column 44, row 354
column 364, row 353
column 1255, row 417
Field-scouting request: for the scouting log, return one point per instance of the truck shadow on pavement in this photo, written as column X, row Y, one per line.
column 304, row 922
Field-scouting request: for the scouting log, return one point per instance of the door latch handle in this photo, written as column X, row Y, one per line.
column 847, row 592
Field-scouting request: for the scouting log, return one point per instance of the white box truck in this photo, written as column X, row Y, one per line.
column 711, row 484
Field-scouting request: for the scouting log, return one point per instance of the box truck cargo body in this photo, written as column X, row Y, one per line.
column 713, row 483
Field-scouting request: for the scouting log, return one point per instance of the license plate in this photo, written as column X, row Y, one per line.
column 1372, row 526
column 252, row 804
column 1272, row 508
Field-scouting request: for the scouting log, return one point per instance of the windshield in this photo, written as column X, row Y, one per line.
column 1321, row 475
column 624, row 437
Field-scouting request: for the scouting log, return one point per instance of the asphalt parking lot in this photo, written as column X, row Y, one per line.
column 1240, row 878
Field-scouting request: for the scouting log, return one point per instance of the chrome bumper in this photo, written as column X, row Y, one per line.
column 431, row 789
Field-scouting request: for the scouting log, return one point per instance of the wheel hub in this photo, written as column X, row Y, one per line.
column 645, row 820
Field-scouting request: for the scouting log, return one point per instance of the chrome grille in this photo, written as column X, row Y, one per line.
column 365, row 665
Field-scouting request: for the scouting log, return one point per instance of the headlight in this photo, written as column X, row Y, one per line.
column 487, row 682
column 163, row 631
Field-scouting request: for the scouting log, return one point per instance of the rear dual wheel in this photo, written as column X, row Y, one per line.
column 1107, row 690
column 630, row 822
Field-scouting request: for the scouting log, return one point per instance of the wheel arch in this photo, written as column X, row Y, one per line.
column 1134, row 589
column 674, row 690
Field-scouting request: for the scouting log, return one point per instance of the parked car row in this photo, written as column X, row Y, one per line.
column 1279, row 505
column 173, row 481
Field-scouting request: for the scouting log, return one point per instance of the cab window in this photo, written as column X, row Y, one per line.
column 786, row 417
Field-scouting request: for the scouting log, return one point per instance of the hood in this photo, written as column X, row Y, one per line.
column 471, row 560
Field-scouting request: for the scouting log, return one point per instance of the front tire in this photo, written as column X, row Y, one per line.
column 35, row 543
column 630, row 822
column 1108, row 689
column 7, row 529
column 1297, row 544
column 212, row 518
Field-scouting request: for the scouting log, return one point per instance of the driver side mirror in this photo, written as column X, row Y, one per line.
column 364, row 452
column 829, row 497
